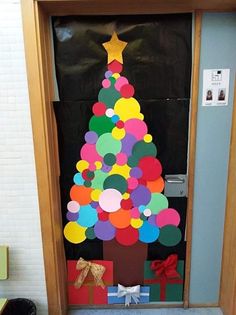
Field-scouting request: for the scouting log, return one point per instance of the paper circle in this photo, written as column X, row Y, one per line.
column 95, row 194
column 167, row 217
column 87, row 216
column 88, row 152
column 82, row 165
column 156, row 185
column 117, row 182
column 151, row 168
column 99, row 109
column 100, row 124
column 108, row 74
column 133, row 107
column 136, row 223
column 142, row 149
column 147, row 212
column 81, row 194
column 120, row 124
column 115, row 66
column 116, row 75
column 127, row 144
column 109, row 112
column 90, row 235
column 140, row 196
column 110, row 200
column 118, row 133
column 73, row 206
column 132, row 183
column 127, row 91
column 121, row 158
column 104, row 230
column 147, row 138
column 135, row 213
column 109, row 159
column 157, row 203
column 109, row 96
column 97, row 182
column 78, row 179
column 136, row 127
column 120, row 82
column 121, row 170
column 103, row 216
column 74, row 233
column 107, row 144
column 148, row 233
column 136, row 172
column 170, row 235
column 120, row 219
column 106, row 83
column 72, row 216
column 126, row 204
column 128, row 236
column 91, row 137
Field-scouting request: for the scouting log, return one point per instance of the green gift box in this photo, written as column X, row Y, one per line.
column 164, row 288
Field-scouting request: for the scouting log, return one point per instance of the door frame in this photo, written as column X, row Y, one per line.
column 37, row 37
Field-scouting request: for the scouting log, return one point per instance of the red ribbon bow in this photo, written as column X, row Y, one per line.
column 166, row 268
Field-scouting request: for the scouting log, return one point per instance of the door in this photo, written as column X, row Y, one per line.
column 147, row 237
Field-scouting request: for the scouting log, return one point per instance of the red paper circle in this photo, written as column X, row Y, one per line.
column 127, row 91
column 151, row 168
column 103, row 216
column 85, row 175
column 120, row 124
column 126, row 204
column 115, row 66
column 99, row 109
column 128, row 236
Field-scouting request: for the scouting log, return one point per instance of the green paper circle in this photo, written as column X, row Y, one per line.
column 109, row 159
column 117, row 182
column 90, row 233
column 112, row 80
column 157, row 203
column 170, row 235
column 100, row 124
column 142, row 149
column 107, row 144
column 87, row 183
column 132, row 161
column 109, row 96
column 143, row 217
column 90, row 174
column 97, row 182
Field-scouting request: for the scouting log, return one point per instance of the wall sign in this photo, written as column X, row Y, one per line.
column 215, row 87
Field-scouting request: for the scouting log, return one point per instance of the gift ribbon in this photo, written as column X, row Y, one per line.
column 166, row 268
column 129, row 293
column 86, row 266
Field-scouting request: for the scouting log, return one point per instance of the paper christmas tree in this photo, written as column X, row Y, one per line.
column 117, row 192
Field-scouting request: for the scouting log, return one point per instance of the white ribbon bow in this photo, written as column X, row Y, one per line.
column 129, row 293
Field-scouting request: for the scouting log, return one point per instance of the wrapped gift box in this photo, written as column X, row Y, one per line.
column 88, row 293
column 163, row 288
column 114, row 299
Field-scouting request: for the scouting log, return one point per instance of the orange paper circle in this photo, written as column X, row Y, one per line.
column 156, row 185
column 81, row 194
column 120, row 219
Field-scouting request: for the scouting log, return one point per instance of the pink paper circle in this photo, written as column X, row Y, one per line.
column 73, row 206
column 132, row 182
column 136, row 127
column 167, row 217
column 89, row 153
column 106, row 83
column 121, row 159
column 120, row 82
column 110, row 200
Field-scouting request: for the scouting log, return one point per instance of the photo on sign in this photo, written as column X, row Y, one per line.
column 209, row 95
column 221, row 95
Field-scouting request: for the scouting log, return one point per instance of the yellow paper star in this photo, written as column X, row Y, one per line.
column 114, row 49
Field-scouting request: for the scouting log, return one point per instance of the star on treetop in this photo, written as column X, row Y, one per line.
column 114, row 49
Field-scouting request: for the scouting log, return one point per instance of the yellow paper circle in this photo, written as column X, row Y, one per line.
column 98, row 165
column 147, row 138
column 118, row 133
column 82, row 165
column 95, row 194
column 126, row 196
column 127, row 108
column 121, row 170
column 116, row 75
column 74, row 232
column 136, row 223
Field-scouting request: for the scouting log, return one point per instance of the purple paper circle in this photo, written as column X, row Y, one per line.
column 140, row 196
column 127, row 144
column 152, row 219
column 136, row 172
column 94, row 204
column 72, row 216
column 91, row 137
column 108, row 74
column 104, row 230
column 106, row 168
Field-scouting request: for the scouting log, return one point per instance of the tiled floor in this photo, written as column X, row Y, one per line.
column 162, row 311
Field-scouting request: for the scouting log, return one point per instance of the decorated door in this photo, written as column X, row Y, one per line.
column 124, row 87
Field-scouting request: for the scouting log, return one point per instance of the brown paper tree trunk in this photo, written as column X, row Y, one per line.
column 128, row 262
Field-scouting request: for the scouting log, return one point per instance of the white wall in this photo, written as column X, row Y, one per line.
column 19, row 211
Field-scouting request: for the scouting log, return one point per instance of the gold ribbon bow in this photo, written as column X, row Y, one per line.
column 86, row 266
